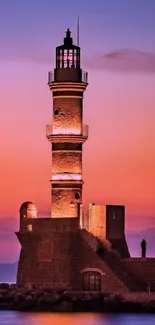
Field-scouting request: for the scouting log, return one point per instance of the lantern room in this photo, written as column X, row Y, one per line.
column 67, row 65
column 68, row 55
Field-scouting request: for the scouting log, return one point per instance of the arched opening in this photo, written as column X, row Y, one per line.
column 29, row 227
column 28, row 210
column 91, row 281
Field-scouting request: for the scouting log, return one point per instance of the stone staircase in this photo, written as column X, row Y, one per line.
column 115, row 263
column 114, row 282
column 120, row 245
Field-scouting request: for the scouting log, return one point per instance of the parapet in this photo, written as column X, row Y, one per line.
column 49, row 225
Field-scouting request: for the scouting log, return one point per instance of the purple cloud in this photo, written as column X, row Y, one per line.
column 27, row 56
column 121, row 60
column 8, row 226
column 124, row 60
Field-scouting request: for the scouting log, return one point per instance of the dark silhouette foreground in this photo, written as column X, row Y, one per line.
column 46, row 299
column 143, row 248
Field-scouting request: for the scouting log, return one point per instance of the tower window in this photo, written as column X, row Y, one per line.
column 77, row 195
column 56, row 111
column 91, row 281
column 29, row 227
column 114, row 215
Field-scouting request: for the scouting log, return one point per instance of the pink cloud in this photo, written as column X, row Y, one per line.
column 121, row 60
column 124, row 60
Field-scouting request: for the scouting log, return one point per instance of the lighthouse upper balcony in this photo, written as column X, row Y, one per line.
column 68, row 75
column 54, row 134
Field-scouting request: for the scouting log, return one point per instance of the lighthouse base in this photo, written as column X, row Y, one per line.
column 56, row 253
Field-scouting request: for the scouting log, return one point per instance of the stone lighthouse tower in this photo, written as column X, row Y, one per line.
column 57, row 252
column 67, row 132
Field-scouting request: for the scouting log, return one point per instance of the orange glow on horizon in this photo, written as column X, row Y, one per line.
column 66, row 319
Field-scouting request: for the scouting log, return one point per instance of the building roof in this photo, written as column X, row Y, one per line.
column 27, row 205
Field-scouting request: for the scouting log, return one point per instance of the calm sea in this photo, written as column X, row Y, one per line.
column 17, row 318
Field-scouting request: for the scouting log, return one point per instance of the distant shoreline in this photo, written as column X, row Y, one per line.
column 52, row 300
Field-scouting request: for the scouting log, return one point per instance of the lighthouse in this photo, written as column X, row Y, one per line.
column 56, row 251
column 67, row 133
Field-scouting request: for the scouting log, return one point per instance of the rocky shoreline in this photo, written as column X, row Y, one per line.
column 47, row 299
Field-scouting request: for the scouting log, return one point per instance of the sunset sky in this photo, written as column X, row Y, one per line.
column 118, row 51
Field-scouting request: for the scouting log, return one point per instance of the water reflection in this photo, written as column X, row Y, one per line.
column 17, row 318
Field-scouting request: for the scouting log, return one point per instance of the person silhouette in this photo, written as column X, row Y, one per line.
column 143, row 247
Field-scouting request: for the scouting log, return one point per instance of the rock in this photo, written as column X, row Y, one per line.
column 67, row 296
column 28, row 298
column 55, row 298
column 13, row 286
column 64, row 306
column 19, row 297
column 60, row 291
column 42, row 300
column 37, row 294
column 1, row 297
column 3, row 291
column 4, row 286
column 48, row 299
column 11, row 294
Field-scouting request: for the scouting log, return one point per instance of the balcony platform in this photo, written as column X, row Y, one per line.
column 64, row 137
column 66, row 183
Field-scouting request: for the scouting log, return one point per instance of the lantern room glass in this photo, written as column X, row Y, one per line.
column 68, row 58
column 68, row 54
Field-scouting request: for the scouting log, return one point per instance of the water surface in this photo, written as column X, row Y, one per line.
column 19, row 318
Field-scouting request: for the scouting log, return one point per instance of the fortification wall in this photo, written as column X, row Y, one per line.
column 59, row 260
column 50, row 224
column 144, row 268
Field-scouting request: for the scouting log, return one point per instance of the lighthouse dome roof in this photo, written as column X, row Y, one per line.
column 28, row 205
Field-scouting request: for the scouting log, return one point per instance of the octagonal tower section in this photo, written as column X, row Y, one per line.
column 67, row 132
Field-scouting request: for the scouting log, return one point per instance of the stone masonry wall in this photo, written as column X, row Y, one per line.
column 98, row 221
column 70, row 256
column 49, row 225
column 61, row 202
column 143, row 267
column 66, row 161
column 70, row 114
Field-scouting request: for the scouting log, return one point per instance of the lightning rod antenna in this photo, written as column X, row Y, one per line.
column 78, row 31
